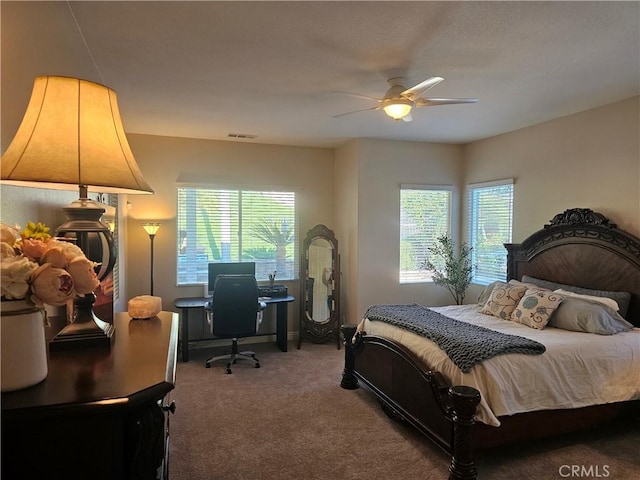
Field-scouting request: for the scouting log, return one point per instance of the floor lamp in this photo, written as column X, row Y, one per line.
column 151, row 228
column 72, row 137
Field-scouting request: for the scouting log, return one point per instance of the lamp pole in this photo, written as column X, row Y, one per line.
column 151, row 228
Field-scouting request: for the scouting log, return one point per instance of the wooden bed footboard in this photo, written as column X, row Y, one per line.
column 422, row 398
column 445, row 414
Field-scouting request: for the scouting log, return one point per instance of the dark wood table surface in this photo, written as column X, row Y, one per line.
column 101, row 413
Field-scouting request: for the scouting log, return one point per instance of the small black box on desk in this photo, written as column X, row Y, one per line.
column 273, row 291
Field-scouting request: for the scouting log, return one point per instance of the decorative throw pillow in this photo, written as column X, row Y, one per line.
column 579, row 315
column 503, row 300
column 535, row 308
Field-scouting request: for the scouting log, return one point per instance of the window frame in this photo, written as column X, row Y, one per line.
column 450, row 221
column 202, row 277
column 486, row 278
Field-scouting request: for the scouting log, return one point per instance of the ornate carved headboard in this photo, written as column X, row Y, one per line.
column 583, row 248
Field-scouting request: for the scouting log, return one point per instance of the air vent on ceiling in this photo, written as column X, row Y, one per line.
column 242, row 135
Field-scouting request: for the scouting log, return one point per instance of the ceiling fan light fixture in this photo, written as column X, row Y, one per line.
column 398, row 100
column 397, row 108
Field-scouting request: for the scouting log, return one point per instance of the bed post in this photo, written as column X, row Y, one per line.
column 349, row 380
column 465, row 400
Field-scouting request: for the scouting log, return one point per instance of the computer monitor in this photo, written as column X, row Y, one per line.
column 233, row 268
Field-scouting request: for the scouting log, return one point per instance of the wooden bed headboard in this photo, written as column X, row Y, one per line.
column 583, row 248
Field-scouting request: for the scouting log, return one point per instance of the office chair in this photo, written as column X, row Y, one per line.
column 235, row 312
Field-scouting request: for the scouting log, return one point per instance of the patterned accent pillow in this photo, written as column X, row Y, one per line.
column 535, row 308
column 503, row 300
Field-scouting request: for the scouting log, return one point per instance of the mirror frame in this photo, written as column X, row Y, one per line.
column 319, row 332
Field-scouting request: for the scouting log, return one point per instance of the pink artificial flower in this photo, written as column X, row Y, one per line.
column 33, row 248
column 84, row 276
column 55, row 256
column 70, row 249
column 53, row 286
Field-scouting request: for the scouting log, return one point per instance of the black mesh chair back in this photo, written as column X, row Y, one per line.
column 235, row 306
column 233, row 313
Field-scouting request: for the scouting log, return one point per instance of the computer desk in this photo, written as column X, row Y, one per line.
column 188, row 303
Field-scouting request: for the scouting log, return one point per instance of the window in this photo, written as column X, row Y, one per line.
column 425, row 214
column 112, row 223
column 490, row 223
column 236, row 225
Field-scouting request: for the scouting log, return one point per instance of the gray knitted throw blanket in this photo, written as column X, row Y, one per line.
column 465, row 344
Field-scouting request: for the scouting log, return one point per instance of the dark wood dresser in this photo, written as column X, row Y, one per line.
column 100, row 413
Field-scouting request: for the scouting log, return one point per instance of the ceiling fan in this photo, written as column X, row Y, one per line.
column 399, row 100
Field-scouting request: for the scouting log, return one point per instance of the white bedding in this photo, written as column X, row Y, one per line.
column 577, row 369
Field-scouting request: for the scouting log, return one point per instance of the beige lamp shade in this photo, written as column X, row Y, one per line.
column 151, row 227
column 72, row 135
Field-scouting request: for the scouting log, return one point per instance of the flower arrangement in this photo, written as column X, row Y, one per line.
column 41, row 269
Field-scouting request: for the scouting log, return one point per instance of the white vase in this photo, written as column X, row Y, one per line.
column 24, row 349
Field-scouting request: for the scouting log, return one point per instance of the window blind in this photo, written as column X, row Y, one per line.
column 236, row 225
column 490, row 227
column 113, row 202
column 425, row 214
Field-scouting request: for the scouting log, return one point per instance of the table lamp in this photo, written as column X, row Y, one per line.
column 72, row 137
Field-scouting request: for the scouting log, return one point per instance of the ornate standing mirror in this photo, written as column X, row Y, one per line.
column 320, row 287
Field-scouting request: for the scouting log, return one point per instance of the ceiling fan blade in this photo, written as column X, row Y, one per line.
column 414, row 92
column 433, row 102
column 356, row 111
column 357, row 95
column 407, row 118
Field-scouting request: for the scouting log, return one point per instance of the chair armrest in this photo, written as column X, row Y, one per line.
column 208, row 315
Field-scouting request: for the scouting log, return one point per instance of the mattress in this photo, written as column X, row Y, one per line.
column 577, row 369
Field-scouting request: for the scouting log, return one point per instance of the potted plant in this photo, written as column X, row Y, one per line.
column 449, row 268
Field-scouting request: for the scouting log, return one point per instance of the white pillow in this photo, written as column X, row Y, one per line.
column 609, row 302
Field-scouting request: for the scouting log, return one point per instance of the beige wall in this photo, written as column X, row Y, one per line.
column 382, row 167
column 21, row 205
column 346, row 181
column 167, row 161
column 587, row 160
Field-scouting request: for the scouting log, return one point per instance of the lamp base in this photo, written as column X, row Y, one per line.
column 87, row 330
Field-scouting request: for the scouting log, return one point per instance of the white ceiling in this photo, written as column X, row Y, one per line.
column 271, row 69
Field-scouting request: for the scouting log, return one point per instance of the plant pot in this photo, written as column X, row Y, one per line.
column 23, row 346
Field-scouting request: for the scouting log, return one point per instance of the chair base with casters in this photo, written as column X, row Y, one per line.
column 234, row 356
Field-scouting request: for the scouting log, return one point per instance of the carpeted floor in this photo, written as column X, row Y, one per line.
column 290, row 419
